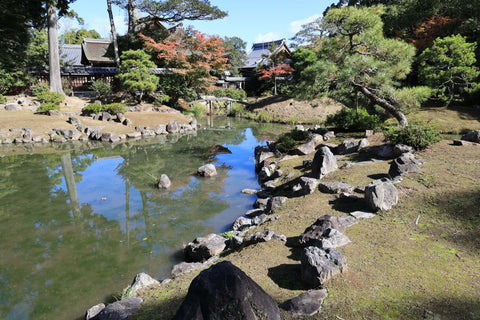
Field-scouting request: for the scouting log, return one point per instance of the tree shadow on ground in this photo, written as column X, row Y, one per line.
column 349, row 205
column 378, row 176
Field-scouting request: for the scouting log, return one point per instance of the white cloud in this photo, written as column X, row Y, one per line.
column 271, row 36
column 296, row 26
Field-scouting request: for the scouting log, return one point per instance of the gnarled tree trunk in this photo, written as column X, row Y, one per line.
column 53, row 51
column 385, row 104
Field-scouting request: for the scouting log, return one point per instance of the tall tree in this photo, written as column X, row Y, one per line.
column 235, row 51
column 75, row 36
column 357, row 58
column 114, row 33
column 53, row 51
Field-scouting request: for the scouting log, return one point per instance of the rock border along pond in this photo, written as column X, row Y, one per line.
column 320, row 259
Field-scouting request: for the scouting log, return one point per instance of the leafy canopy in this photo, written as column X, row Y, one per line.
column 449, row 67
column 178, row 10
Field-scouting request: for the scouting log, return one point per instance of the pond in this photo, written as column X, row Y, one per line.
column 76, row 225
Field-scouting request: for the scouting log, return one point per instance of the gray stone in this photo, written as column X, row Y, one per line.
column 259, row 150
column 363, row 144
column 109, row 137
column 203, row 248
column 369, row 133
column 254, row 213
column 328, row 135
column 360, row 189
column 265, row 155
column 127, row 122
column 54, row 113
column 404, row 164
column 12, row 107
column 148, row 133
column 464, row 143
column 362, row 215
column 173, row 127
column 306, row 186
column 299, row 127
column 120, row 117
column 73, row 120
column 164, row 182
column 258, row 220
column 267, row 172
column 241, row 223
column 472, row 136
column 161, row 129
column 317, row 139
column 318, row 266
column 323, row 163
column 141, row 280
column 261, row 203
column 93, row 311
column 335, row 187
column 7, row 141
column 332, row 238
column 381, row 195
column 314, row 233
column 134, row 135
column 307, row 304
column 106, row 116
column 69, row 134
column 207, row 170
column 194, row 124
column 384, row 151
column 225, row 292
column 400, row 149
column 249, row 192
column 276, row 202
column 264, row 236
column 348, row 146
column 119, row 310
column 235, row 242
column 305, row 148
column 185, row 267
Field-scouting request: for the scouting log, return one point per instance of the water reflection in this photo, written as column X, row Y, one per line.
column 77, row 225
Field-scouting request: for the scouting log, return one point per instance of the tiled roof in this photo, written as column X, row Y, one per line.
column 71, row 54
column 260, row 51
column 95, row 50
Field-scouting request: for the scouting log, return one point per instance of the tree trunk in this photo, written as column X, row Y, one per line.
column 131, row 17
column 385, row 105
column 53, row 51
column 114, row 33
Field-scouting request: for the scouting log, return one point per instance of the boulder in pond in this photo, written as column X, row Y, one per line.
column 207, row 170
column 323, row 163
column 164, row 182
column 203, row 248
column 223, row 291
column 318, row 265
column 381, row 195
column 307, row 304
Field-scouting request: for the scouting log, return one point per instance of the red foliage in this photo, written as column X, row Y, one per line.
column 194, row 54
column 273, row 72
column 426, row 32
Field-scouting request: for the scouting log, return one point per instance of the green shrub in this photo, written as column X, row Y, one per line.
column 227, row 234
column 102, row 88
column 349, row 120
column 112, row 108
column 3, row 99
column 92, row 109
column 161, row 99
column 264, row 117
column 236, row 94
column 195, row 111
column 290, row 140
column 50, row 97
column 237, row 109
column 416, row 136
column 39, row 88
column 47, row 106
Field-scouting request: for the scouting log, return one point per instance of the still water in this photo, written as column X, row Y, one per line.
column 76, row 225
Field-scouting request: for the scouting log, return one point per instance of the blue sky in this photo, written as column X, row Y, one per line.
column 251, row 20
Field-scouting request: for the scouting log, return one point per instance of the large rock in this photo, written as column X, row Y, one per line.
column 404, row 164
column 119, row 310
column 141, row 280
column 276, row 202
column 203, row 248
column 305, row 148
column 207, row 170
column 265, row 155
column 348, row 146
column 110, row 137
column 225, row 292
column 318, row 266
column 335, row 187
column 267, row 172
column 381, row 195
column 307, row 303
column 185, row 267
column 384, row 151
column 12, row 107
column 314, row 234
column 472, row 136
column 305, row 186
column 400, row 149
column 164, row 182
column 69, row 134
column 173, row 127
column 241, row 223
column 323, row 163
column 264, row 236
column 93, row 311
